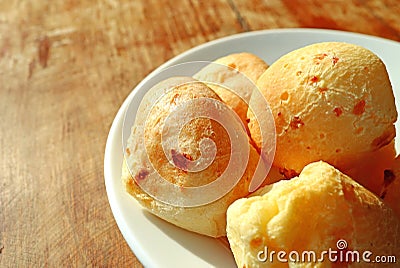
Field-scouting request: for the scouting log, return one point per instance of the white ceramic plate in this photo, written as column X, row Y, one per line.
column 159, row 244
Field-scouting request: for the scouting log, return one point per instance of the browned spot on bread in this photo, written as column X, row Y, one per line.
column 322, row 90
column 173, row 101
column 314, row 79
column 142, row 174
column 232, row 65
column 180, row 160
column 187, row 156
column 359, row 108
column 128, row 152
column 359, row 130
column 285, row 96
column 288, row 173
column 296, row 122
column 256, row 242
column 319, row 57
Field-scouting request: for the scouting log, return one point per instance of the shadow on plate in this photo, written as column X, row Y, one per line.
column 214, row 251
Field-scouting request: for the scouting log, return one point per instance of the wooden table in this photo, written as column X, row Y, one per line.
column 65, row 69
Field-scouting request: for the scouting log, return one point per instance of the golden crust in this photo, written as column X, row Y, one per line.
column 209, row 219
column 311, row 212
column 246, row 64
column 190, row 137
column 331, row 101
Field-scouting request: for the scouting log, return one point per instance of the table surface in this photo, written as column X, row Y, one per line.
column 65, row 69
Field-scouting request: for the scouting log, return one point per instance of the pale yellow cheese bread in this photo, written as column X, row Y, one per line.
column 312, row 212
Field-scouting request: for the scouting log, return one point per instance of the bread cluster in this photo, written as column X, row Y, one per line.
column 334, row 174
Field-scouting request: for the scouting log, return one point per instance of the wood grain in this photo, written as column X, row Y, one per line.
column 65, row 69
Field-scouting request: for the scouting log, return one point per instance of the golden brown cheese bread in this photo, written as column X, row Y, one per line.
column 146, row 155
column 242, row 71
column 331, row 101
column 311, row 212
